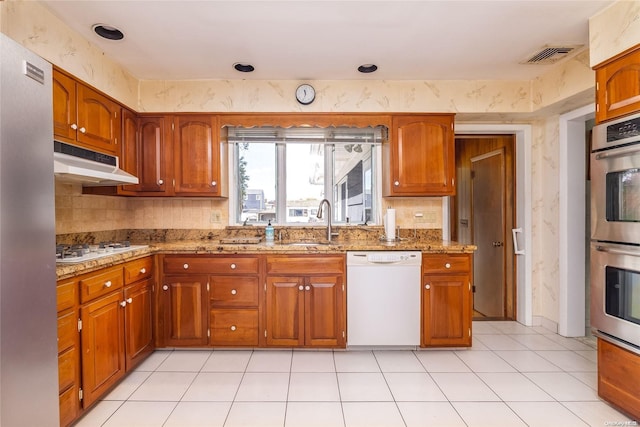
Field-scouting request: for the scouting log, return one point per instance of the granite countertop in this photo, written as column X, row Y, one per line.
column 188, row 247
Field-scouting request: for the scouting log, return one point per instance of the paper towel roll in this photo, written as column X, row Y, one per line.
column 390, row 224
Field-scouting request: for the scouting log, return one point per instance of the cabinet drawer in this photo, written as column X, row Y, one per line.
column 66, row 294
column 69, row 406
column 138, row 270
column 234, row 327
column 67, row 369
column 234, row 291
column 67, row 331
column 446, row 263
column 314, row 264
column 104, row 282
column 213, row 265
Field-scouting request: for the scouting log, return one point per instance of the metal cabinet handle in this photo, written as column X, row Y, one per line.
column 143, row 270
column 160, row 181
column 165, row 288
column 123, row 304
column 396, row 183
column 447, row 265
column 129, row 300
column 233, row 266
column 74, row 126
column 233, row 327
column 233, row 292
column 185, row 266
column 301, row 288
column 82, row 130
column 307, row 288
column 427, row 286
column 214, row 183
column 107, row 284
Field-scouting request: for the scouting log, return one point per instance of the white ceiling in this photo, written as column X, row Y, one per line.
column 328, row 40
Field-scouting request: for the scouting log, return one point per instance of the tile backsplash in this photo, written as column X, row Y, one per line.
column 81, row 213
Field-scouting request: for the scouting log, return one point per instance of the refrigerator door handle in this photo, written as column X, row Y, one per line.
column 516, row 248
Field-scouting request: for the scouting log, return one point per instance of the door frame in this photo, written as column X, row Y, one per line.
column 523, row 160
column 572, row 224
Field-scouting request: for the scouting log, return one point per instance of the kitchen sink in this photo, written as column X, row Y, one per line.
column 319, row 243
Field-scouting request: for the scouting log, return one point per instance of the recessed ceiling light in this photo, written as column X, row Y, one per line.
column 243, row 68
column 108, row 32
column 367, row 68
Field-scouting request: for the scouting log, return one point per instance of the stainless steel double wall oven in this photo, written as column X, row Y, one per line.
column 615, row 230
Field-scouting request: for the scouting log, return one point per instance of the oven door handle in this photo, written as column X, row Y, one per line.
column 600, row 248
column 618, row 152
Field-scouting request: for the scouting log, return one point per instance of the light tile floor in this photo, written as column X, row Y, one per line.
column 512, row 376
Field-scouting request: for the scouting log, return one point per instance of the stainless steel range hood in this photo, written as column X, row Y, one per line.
column 90, row 168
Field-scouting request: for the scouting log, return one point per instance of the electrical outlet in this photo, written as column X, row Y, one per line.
column 215, row 216
column 418, row 217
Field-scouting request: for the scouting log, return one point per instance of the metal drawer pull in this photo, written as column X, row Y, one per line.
column 447, row 265
column 301, row 287
column 233, row 266
column 214, row 183
column 396, row 183
column 129, row 300
column 123, row 304
column 185, row 266
column 165, row 288
column 427, row 286
column 233, row 292
column 233, row 327
column 160, row 181
column 74, row 126
column 307, row 288
column 82, row 130
column 143, row 270
column 107, row 284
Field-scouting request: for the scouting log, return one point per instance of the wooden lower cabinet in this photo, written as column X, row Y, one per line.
column 446, row 300
column 104, row 330
column 138, row 323
column 308, row 308
column 68, row 351
column 235, row 314
column 183, row 311
column 619, row 377
column 102, row 336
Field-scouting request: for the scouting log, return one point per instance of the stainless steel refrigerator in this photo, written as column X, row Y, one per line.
column 28, row 325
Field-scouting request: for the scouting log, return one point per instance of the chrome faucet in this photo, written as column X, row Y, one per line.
column 329, row 233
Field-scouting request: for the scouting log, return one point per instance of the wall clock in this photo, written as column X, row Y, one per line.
column 305, row 94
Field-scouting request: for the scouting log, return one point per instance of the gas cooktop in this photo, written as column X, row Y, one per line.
column 86, row 252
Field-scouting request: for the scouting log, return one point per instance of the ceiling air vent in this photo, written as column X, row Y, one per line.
column 551, row 54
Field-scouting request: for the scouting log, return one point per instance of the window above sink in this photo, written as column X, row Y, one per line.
column 282, row 174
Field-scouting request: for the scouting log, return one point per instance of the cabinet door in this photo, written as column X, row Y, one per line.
column 618, row 87
column 129, row 161
column 184, row 311
column 421, row 156
column 98, row 121
column 102, row 339
column 64, row 107
column 285, row 311
column 197, row 156
column 446, row 310
column 155, row 156
column 324, row 313
column 138, row 323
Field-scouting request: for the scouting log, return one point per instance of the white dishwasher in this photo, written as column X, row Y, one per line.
column 383, row 298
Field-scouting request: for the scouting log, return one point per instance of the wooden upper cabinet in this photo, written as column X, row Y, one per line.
column 419, row 158
column 618, row 86
column 153, row 154
column 198, row 168
column 129, row 161
column 82, row 116
column 65, row 113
